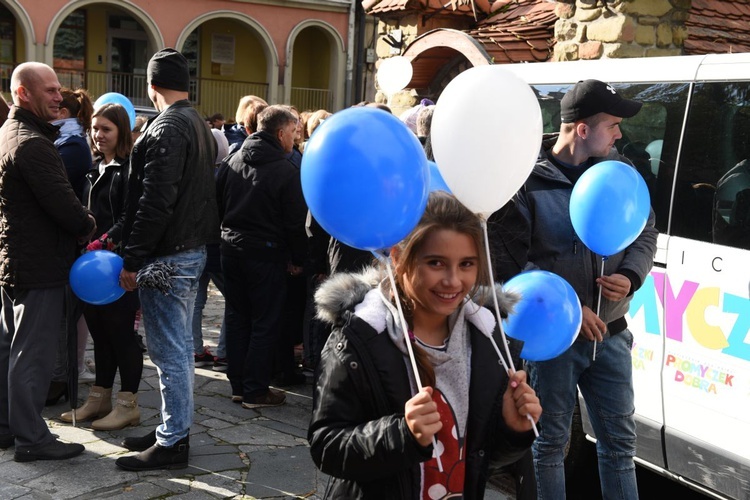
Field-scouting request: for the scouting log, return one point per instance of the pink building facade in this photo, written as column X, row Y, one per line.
column 296, row 52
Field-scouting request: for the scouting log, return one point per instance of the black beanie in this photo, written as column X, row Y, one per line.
column 168, row 69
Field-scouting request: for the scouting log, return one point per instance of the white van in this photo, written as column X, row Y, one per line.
column 691, row 318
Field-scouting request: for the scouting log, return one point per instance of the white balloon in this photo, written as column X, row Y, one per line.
column 394, row 74
column 486, row 134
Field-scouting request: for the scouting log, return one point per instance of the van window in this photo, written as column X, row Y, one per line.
column 712, row 190
column 649, row 140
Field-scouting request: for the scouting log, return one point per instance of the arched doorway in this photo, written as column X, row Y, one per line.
column 440, row 55
column 231, row 56
column 103, row 47
column 16, row 41
column 315, row 68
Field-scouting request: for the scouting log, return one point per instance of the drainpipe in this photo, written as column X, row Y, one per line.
column 350, row 51
column 359, row 76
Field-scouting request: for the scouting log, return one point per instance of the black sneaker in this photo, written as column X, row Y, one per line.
column 204, row 359
column 220, row 365
column 55, row 450
column 271, row 398
column 158, row 457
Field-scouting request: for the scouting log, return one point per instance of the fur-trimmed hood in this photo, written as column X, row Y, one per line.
column 343, row 291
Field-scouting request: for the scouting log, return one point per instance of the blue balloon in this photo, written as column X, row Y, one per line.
column 95, row 277
column 436, row 180
column 548, row 316
column 609, row 207
column 365, row 178
column 116, row 98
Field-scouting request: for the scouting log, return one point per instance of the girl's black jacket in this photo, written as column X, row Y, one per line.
column 358, row 434
column 105, row 196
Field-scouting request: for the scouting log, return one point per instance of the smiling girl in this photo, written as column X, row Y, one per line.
column 111, row 325
column 372, row 430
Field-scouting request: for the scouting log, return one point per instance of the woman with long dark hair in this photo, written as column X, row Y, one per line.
column 111, row 325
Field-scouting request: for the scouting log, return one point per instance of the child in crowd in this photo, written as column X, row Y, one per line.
column 372, row 430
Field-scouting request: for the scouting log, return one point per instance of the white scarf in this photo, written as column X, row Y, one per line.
column 69, row 127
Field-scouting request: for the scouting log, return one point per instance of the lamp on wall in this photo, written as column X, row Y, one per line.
column 396, row 40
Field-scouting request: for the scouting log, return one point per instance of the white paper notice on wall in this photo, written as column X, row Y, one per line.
column 222, row 49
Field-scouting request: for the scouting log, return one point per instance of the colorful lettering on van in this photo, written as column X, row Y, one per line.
column 691, row 302
column 698, row 375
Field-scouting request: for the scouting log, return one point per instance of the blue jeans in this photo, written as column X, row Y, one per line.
column 167, row 321
column 200, row 303
column 606, row 384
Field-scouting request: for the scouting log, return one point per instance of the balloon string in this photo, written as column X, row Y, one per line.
column 499, row 319
column 497, row 306
column 405, row 329
column 599, row 304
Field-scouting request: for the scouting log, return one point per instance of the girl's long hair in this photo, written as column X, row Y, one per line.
column 79, row 104
column 120, row 118
column 443, row 211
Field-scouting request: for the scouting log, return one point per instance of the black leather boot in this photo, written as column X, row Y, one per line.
column 142, row 443
column 158, row 457
column 54, row 450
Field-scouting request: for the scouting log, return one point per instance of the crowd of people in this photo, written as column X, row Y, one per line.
column 221, row 200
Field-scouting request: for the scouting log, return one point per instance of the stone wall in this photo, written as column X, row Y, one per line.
column 598, row 29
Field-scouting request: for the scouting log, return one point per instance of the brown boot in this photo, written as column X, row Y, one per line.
column 98, row 404
column 125, row 412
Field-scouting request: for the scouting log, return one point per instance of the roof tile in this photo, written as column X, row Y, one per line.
column 462, row 7
column 521, row 31
column 718, row 26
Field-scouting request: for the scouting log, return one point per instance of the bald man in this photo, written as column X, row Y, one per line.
column 42, row 221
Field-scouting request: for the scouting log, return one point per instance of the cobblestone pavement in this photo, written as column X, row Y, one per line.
column 234, row 452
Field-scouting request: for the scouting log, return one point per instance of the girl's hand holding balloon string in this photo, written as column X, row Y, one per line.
column 519, row 403
column 104, row 242
column 422, row 416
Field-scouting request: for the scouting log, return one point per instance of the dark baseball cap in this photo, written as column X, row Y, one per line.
column 589, row 97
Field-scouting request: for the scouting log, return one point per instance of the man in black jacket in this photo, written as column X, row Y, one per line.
column 263, row 237
column 40, row 222
column 171, row 214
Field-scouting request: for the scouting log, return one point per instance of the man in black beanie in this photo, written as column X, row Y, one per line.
column 171, row 215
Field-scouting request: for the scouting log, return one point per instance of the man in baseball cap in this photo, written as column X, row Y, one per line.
column 590, row 97
column 591, row 113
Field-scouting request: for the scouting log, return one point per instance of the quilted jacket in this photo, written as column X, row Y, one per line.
column 40, row 216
